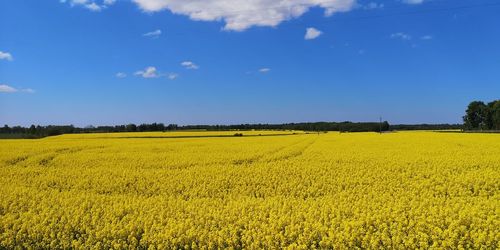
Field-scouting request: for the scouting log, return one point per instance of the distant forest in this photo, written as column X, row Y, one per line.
column 478, row 117
column 481, row 116
column 43, row 131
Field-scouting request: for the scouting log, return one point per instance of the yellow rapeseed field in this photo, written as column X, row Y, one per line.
column 299, row 191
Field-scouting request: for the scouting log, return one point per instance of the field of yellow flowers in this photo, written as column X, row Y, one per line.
column 261, row 190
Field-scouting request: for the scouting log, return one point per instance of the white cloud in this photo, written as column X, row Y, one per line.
column 149, row 72
column 4, row 88
column 189, row 65
column 75, row 2
column 120, row 75
column 7, row 89
column 6, row 56
column 93, row 7
column 31, row 91
column 312, row 33
column 426, row 37
column 153, row 34
column 401, row 35
column 264, row 70
column 413, row 1
column 372, row 6
column 152, row 72
column 239, row 15
column 172, row 76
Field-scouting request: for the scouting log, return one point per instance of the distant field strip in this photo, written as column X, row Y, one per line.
column 277, row 190
column 182, row 134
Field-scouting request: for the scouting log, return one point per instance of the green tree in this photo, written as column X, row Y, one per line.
column 131, row 128
column 32, row 129
column 475, row 115
column 385, row 126
column 494, row 112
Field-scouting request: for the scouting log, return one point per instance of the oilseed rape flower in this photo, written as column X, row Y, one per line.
column 265, row 189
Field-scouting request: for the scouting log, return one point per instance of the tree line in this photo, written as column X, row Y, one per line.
column 481, row 116
column 51, row 130
column 37, row 131
column 305, row 126
column 424, row 126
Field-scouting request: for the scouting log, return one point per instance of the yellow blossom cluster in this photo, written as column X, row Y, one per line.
column 262, row 190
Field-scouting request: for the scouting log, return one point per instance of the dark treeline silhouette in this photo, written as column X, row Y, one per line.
column 35, row 131
column 481, row 116
column 51, row 130
column 43, row 131
column 426, row 126
column 305, row 126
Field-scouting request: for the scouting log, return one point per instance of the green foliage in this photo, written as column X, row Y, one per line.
column 494, row 115
column 480, row 116
column 426, row 126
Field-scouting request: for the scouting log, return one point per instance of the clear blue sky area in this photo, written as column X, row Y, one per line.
column 110, row 62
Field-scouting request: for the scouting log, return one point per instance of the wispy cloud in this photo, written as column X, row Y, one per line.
column 426, row 37
column 413, row 1
column 312, row 33
column 4, row 88
column 31, row 91
column 149, row 72
column 7, row 89
column 264, row 70
column 121, row 75
column 152, row 72
column 6, row 56
column 372, row 6
column 172, row 76
column 153, row 34
column 91, row 5
column 401, row 35
column 189, row 65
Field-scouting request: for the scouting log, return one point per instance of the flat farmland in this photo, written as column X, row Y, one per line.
column 265, row 189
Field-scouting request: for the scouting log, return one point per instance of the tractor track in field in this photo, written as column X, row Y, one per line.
column 46, row 157
column 294, row 154
column 268, row 156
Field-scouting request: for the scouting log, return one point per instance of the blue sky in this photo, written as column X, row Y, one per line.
column 110, row 62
